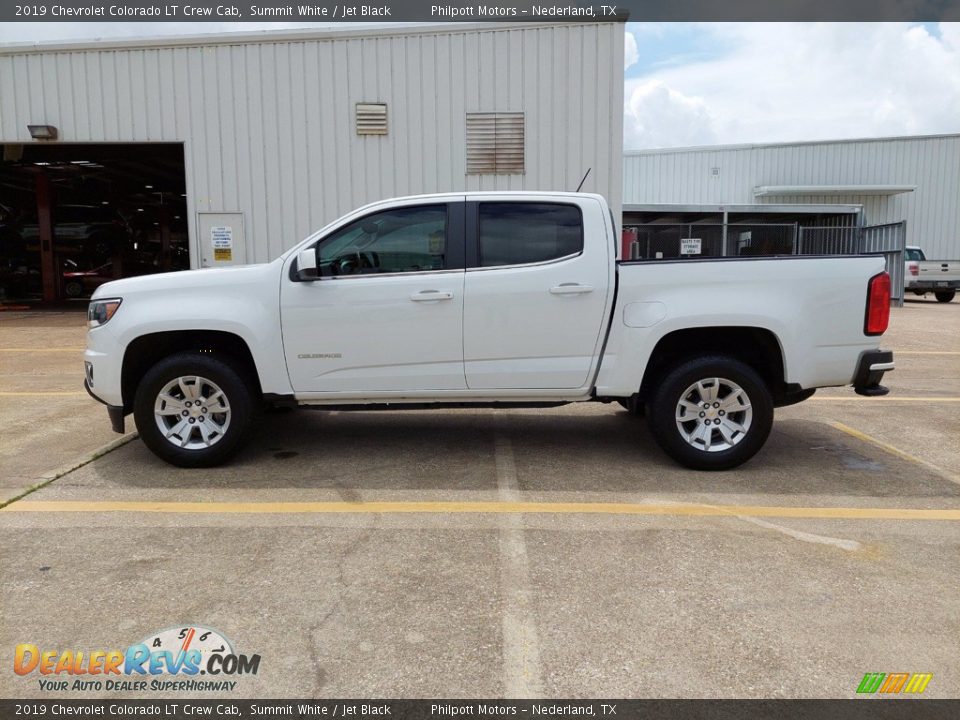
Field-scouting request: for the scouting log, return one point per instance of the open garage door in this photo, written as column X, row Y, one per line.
column 74, row 216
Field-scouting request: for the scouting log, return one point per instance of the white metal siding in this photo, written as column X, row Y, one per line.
column 269, row 129
column 932, row 211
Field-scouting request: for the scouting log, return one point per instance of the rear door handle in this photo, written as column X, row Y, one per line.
column 431, row 296
column 570, row 289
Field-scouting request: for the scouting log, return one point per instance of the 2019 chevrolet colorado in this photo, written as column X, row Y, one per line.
column 504, row 299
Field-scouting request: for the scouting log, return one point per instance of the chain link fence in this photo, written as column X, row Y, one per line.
column 691, row 240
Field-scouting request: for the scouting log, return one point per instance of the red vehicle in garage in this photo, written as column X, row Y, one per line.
column 82, row 283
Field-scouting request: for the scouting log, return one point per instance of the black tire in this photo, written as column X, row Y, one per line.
column 219, row 372
column 945, row 295
column 671, row 390
column 73, row 289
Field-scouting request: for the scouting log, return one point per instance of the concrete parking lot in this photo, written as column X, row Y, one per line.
column 485, row 553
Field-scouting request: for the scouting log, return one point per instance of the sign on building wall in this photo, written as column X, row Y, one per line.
column 690, row 246
column 222, row 240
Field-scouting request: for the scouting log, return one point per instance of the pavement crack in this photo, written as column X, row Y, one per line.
column 63, row 470
column 340, row 583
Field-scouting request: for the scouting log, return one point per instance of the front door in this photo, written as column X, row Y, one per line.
column 386, row 313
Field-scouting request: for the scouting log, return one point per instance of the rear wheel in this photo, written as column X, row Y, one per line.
column 945, row 295
column 192, row 410
column 711, row 413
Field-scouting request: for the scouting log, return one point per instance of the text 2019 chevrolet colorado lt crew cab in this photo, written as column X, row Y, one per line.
column 486, row 299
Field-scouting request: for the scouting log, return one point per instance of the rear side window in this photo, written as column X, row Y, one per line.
column 914, row 254
column 519, row 233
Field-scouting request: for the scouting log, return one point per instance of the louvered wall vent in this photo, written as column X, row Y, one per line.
column 371, row 118
column 495, row 143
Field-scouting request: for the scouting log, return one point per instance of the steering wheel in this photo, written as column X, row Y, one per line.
column 355, row 263
column 346, row 264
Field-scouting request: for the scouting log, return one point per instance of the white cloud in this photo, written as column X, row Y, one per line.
column 630, row 52
column 660, row 116
column 801, row 82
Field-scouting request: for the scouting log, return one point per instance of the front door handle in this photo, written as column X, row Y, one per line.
column 570, row 289
column 431, row 296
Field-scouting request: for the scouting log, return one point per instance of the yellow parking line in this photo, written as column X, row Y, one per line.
column 886, row 398
column 44, row 393
column 42, row 350
column 491, row 507
column 897, row 452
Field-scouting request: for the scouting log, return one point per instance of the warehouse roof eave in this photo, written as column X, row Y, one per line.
column 817, row 209
column 814, row 190
column 288, row 35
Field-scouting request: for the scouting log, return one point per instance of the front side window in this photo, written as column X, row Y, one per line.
column 407, row 239
column 519, row 233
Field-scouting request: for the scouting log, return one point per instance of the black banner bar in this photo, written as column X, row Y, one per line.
column 381, row 11
column 874, row 708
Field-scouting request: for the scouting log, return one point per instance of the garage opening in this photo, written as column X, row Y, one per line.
column 74, row 216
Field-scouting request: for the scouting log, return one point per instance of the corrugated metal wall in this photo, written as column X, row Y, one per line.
column 268, row 123
column 932, row 211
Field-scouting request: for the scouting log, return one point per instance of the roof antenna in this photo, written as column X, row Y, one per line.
column 584, row 179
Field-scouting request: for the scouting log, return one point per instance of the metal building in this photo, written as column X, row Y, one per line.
column 843, row 196
column 273, row 135
column 915, row 180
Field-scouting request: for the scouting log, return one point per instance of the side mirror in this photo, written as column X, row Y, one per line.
column 307, row 265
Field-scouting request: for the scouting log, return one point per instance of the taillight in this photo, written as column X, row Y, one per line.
column 878, row 305
column 914, row 268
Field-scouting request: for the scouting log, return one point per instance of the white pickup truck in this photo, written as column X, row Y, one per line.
column 485, row 299
column 941, row 277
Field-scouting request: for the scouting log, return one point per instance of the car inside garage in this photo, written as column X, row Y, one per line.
column 74, row 216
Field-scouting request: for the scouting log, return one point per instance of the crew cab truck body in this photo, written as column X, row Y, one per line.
column 941, row 277
column 485, row 299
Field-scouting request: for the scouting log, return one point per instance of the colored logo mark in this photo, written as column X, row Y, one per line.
column 891, row 683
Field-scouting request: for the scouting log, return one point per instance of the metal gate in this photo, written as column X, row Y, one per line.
column 891, row 240
column 666, row 241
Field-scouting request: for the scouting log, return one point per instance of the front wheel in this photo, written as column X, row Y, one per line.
column 711, row 413
column 73, row 289
column 192, row 410
column 945, row 295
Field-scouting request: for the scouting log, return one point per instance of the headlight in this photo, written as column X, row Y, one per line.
column 100, row 311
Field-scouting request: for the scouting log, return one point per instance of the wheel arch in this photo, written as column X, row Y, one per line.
column 145, row 351
column 757, row 347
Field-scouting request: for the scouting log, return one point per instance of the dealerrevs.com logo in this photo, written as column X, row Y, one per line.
column 183, row 658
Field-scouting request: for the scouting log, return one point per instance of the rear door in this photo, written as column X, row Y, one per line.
column 537, row 291
column 386, row 314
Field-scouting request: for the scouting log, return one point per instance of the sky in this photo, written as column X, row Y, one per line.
column 721, row 83
column 706, row 84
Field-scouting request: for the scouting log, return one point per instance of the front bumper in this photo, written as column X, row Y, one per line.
column 114, row 412
column 870, row 369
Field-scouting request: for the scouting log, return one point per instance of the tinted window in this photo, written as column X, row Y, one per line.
column 409, row 239
column 914, row 254
column 516, row 233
